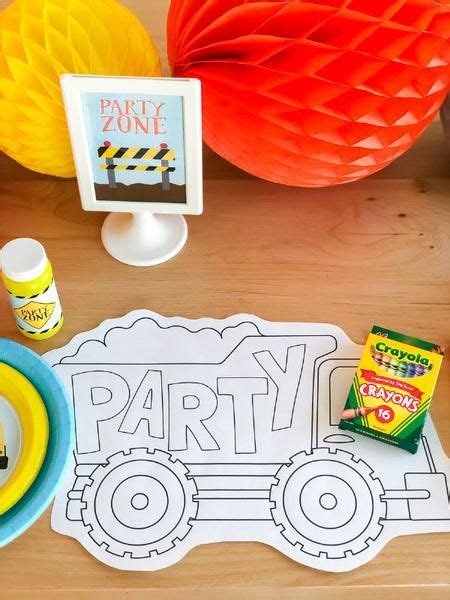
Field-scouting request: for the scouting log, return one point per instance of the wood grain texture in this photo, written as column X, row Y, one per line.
column 376, row 251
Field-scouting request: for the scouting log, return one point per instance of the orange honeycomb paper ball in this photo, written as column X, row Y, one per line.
column 313, row 93
column 39, row 41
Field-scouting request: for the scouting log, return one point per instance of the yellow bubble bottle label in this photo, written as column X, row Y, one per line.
column 28, row 278
column 35, row 314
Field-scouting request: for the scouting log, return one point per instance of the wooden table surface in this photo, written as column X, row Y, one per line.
column 375, row 251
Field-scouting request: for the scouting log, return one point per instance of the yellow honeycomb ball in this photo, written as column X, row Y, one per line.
column 39, row 41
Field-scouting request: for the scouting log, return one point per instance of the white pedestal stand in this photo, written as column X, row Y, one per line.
column 143, row 239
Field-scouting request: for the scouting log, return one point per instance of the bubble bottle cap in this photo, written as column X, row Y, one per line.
column 23, row 259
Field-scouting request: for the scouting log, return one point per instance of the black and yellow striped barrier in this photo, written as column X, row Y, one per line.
column 142, row 153
column 136, row 168
column 163, row 154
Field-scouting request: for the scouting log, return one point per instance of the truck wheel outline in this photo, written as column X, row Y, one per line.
column 302, row 481
column 147, row 527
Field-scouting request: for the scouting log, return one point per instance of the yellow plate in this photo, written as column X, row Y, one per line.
column 30, row 409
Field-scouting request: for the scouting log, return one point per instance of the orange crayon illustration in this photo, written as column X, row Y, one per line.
column 360, row 411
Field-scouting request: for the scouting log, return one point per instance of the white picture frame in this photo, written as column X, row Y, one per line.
column 76, row 88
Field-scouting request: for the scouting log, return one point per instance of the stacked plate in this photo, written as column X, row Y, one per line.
column 36, row 437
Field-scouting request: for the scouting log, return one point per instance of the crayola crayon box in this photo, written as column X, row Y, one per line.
column 392, row 388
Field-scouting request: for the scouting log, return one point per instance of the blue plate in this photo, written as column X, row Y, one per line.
column 60, row 444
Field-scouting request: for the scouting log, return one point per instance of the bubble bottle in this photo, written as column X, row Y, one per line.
column 28, row 278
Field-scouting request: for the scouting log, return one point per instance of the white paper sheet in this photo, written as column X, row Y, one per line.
column 192, row 432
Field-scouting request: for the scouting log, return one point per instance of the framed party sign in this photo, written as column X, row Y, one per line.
column 136, row 142
column 137, row 145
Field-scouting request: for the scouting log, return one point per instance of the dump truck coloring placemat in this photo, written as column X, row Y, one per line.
column 190, row 432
